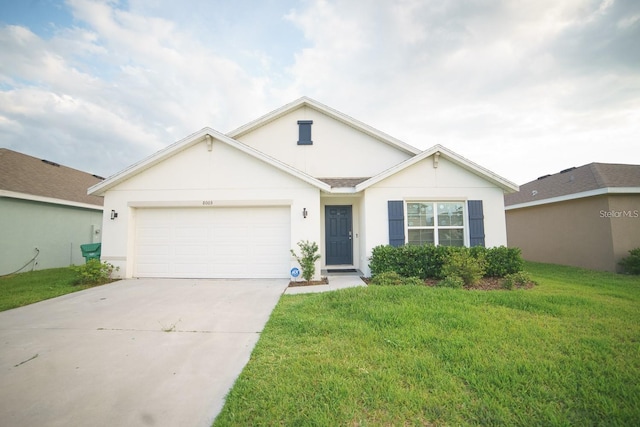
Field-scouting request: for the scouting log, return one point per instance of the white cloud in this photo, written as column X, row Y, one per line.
column 523, row 88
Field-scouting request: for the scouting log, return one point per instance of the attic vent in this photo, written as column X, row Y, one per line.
column 304, row 132
column 543, row 176
column 567, row 170
column 49, row 162
column 98, row 176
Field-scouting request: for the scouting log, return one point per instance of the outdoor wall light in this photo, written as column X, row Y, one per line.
column 304, row 212
column 114, row 214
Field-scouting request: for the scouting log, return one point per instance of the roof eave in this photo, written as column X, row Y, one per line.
column 506, row 185
column 50, row 200
column 102, row 187
column 574, row 196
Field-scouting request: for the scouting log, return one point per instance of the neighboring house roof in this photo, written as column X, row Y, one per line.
column 335, row 114
column 577, row 182
column 27, row 177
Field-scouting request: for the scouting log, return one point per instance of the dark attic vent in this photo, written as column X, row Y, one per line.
column 543, row 176
column 49, row 162
column 304, row 132
column 98, row 176
column 567, row 170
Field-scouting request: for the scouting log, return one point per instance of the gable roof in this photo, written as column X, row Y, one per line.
column 329, row 184
column 572, row 183
column 438, row 150
column 328, row 111
column 26, row 177
column 191, row 140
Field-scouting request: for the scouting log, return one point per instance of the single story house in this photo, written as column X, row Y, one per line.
column 45, row 213
column 587, row 216
column 216, row 205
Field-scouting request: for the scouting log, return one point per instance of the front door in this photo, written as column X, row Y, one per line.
column 338, row 235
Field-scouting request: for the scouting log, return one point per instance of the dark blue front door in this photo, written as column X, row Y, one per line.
column 338, row 235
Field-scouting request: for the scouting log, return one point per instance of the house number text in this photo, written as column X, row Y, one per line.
column 207, row 203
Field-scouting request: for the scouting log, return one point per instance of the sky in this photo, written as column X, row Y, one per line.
column 523, row 88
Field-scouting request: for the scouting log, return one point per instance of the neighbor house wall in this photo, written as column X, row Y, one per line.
column 572, row 232
column 56, row 230
column 624, row 216
column 223, row 176
column 423, row 182
column 338, row 150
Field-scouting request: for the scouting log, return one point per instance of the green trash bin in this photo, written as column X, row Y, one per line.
column 91, row 251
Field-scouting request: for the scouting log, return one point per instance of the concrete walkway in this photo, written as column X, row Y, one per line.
column 131, row 353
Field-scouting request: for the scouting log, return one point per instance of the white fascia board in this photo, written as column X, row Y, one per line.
column 507, row 186
column 582, row 195
column 144, row 164
column 333, row 113
column 50, row 200
column 275, row 162
column 190, row 140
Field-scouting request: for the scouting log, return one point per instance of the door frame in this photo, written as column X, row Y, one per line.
column 326, row 233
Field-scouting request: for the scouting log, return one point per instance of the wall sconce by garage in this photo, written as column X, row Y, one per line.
column 114, row 214
column 304, row 212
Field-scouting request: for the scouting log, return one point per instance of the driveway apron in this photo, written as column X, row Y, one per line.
column 146, row 352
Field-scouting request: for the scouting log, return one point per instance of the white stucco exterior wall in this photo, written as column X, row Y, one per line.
column 338, row 150
column 202, row 179
column 423, row 182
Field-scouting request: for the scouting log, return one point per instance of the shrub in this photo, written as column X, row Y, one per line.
column 427, row 261
column 307, row 259
column 502, row 261
column 409, row 260
column 463, row 265
column 94, row 272
column 631, row 264
column 413, row 281
column 452, row 281
column 521, row 278
column 388, row 278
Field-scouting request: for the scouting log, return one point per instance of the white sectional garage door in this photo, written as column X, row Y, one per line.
column 247, row 242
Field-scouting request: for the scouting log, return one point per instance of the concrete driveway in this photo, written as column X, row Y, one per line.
column 141, row 352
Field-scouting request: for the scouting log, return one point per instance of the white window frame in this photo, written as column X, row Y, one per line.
column 436, row 227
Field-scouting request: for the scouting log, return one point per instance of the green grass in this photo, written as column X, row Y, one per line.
column 26, row 288
column 566, row 352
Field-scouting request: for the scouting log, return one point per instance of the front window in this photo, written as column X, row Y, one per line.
column 436, row 223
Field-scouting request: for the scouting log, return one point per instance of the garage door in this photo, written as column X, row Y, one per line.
column 248, row 242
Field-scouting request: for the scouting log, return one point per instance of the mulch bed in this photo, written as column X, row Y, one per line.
column 323, row 281
column 485, row 284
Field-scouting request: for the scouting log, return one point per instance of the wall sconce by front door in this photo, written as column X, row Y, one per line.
column 304, row 212
column 114, row 214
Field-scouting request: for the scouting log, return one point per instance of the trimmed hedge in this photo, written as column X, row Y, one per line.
column 426, row 261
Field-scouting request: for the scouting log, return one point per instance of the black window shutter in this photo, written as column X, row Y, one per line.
column 476, row 223
column 304, row 132
column 396, row 222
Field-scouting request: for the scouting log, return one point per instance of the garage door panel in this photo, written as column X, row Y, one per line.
column 213, row 242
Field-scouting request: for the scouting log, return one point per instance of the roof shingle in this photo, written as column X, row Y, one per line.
column 21, row 173
column 342, row 182
column 589, row 177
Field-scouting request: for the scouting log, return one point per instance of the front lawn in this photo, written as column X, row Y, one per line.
column 566, row 352
column 26, row 288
